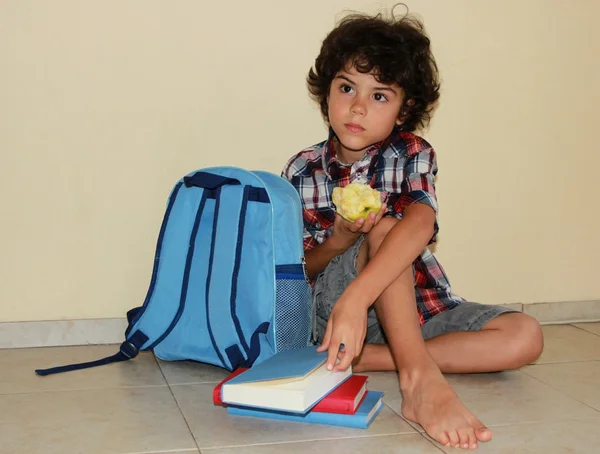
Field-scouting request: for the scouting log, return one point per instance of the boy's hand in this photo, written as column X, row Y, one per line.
column 345, row 334
column 346, row 233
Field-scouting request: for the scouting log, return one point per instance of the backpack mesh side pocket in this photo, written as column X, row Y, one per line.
column 293, row 308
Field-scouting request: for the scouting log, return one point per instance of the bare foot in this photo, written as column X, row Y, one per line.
column 428, row 400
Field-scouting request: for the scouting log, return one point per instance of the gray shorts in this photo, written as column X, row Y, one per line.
column 331, row 283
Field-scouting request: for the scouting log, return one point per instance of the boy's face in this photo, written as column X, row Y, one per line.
column 362, row 111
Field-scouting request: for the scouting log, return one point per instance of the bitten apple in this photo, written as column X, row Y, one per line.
column 356, row 200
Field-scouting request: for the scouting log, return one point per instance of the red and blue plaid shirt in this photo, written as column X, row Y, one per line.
column 402, row 168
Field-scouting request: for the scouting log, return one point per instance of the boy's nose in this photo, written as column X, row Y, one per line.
column 358, row 108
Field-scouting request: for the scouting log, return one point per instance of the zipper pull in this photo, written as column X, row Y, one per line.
column 303, row 261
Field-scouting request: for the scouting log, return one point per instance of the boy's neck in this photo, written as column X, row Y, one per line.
column 345, row 156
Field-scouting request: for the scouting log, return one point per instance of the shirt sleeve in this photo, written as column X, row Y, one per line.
column 417, row 185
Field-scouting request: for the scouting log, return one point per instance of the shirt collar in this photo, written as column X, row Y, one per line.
column 330, row 160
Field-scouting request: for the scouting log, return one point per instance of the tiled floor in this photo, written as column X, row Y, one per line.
column 157, row 407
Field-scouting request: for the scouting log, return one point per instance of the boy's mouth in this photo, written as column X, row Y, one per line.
column 353, row 127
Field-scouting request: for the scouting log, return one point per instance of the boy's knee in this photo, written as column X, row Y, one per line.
column 533, row 338
column 375, row 237
column 524, row 338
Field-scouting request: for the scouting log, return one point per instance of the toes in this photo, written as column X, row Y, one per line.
column 442, row 439
column 482, row 433
column 472, row 443
column 465, row 437
column 454, row 439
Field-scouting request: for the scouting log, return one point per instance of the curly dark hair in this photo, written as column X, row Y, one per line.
column 394, row 51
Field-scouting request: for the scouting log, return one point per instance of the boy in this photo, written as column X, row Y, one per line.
column 383, row 301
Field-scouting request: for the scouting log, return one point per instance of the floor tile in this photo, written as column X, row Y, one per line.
column 18, row 369
column 564, row 343
column 191, row 372
column 119, row 420
column 578, row 380
column 510, row 398
column 213, row 427
column 384, row 381
column 514, row 397
column 400, row 444
column 591, row 327
column 566, row 437
column 388, row 383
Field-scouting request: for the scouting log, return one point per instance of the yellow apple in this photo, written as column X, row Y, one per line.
column 356, row 200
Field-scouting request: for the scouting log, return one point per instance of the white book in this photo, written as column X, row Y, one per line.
column 293, row 381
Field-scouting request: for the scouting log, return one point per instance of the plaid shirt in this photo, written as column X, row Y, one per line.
column 402, row 168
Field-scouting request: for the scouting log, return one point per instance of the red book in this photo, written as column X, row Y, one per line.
column 345, row 399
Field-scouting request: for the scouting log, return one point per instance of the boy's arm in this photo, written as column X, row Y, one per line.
column 401, row 246
column 344, row 235
column 416, row 206
column 319, row 257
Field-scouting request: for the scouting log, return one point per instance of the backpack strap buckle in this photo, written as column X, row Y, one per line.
column 129, row 350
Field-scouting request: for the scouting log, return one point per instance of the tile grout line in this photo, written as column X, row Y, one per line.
column 543, row 363
column 312, row 440
column 410, row 423
column 432, row 442
column 427, row 438
column 177, row 403
column 560, row 391
column 584, row 330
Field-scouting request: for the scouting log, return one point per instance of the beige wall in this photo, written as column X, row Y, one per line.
column 105, row 104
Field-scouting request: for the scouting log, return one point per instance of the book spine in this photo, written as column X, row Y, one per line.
column 333, row 406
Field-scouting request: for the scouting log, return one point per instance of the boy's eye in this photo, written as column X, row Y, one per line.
column 346, row 88
column 379, row 97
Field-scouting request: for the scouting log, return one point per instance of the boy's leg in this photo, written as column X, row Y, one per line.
column 427, row 398
column 470, row 338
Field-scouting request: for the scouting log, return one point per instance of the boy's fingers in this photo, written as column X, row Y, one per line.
column 332, row 353
column 345, row 361
column 326, row 338
column 381, row 213
column 359, row 346
column 357, row 225
column 369, row 223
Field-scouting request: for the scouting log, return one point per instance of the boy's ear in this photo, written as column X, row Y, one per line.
column 404, row 110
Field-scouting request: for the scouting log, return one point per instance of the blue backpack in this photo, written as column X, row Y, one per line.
column 228, row 286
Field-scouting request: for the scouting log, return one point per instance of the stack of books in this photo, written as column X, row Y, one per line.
column 295, row 385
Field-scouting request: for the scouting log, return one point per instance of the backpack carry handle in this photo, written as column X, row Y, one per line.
column 208, row 180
